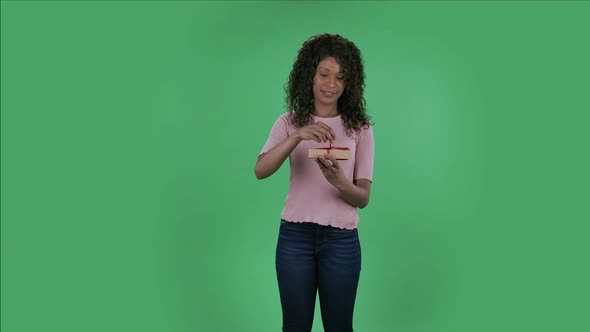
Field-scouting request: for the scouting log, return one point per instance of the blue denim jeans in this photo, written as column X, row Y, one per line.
column 313, row 258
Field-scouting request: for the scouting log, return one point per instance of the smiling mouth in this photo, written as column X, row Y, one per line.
column 328, row 94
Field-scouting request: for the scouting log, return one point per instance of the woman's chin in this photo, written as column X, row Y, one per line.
column 327, row 101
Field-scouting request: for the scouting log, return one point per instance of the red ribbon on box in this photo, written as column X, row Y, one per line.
column 328, row 149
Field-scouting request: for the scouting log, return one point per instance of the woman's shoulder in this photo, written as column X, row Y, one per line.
column 364, row 131
column 286, row 117
column 284, row 121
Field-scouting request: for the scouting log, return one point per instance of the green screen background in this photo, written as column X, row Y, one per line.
column 130, row 131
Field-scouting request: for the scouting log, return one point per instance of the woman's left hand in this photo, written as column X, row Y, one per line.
column 331, row 169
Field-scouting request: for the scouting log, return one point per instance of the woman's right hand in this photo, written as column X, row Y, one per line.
column 319, row 131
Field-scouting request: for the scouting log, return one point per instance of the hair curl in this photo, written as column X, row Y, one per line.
column 299, row 88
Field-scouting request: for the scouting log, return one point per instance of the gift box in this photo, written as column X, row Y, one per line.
column 339, row 153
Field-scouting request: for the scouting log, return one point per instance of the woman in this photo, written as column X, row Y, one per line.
column 318, row 248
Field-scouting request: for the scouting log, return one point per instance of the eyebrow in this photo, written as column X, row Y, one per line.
column 341, row 72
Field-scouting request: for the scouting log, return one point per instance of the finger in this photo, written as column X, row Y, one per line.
column 326, row 134
column 323, row 125
column 329, row 134
column 320, row 134
column 322, row 166
column 334, row 161
column 326, row 161
column 316, row 136
column 323, row 161
column 329, row 131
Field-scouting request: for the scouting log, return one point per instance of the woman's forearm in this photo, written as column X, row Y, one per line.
column 353, row 194
column 271, row 161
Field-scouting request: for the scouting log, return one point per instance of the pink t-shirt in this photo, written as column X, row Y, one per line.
column 311, row 197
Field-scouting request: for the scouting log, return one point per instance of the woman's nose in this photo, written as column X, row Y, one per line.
column 332, row 81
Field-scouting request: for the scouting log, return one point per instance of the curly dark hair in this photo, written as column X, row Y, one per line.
column 299, row 88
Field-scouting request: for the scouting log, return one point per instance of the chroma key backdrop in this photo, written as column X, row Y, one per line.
column 130, row 131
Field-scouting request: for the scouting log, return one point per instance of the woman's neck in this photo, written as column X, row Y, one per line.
column 325, row 111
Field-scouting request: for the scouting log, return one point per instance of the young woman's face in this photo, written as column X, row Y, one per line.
column 328, row 82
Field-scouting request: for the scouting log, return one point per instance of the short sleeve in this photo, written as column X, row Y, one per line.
column 278, row 133
column 364, row 157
